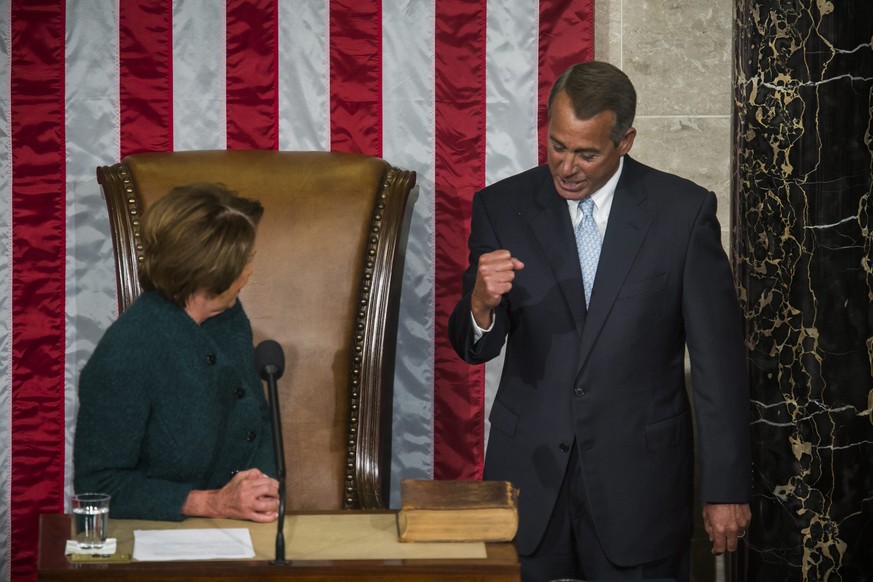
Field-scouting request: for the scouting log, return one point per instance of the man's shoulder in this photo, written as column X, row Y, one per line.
column 636, row 173
column 522, row 184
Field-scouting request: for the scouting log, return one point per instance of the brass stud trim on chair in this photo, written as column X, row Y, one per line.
column 373, row 242
column 371, row 354
column 124, row 219
column 132, row 207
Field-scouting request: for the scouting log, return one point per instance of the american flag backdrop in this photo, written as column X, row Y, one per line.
column 453, row 89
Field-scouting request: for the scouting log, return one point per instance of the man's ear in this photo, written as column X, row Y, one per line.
column 627, row 142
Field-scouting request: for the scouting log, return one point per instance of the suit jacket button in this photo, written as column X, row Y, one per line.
column 210, row 359
column 239, row 392
column 251, row 436
column 565, row 448
column 579, row 392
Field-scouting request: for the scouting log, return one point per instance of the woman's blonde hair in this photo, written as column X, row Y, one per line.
column 199, row 237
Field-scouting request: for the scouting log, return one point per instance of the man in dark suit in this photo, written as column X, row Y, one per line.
column 592, row 420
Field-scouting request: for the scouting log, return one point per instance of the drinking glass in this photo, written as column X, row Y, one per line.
column 91, row 512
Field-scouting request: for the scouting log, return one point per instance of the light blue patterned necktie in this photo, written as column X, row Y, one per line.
column 588, row 245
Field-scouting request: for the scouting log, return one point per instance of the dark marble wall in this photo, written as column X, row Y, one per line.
column 803, row 252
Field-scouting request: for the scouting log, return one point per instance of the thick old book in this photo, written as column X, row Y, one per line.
column 457, row 511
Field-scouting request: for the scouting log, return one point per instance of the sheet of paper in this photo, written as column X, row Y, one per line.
column 192, row 544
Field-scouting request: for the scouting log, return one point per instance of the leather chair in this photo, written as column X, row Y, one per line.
column 326, row 287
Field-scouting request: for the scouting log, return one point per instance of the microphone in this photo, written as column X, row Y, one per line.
column 270, row 363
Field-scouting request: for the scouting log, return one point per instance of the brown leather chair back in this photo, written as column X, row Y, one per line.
column 326, row 286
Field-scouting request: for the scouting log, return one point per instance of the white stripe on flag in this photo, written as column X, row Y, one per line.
column 511, row 87
column 91, row 139
column 304, row 76
column 408, row 137
column 199, row 75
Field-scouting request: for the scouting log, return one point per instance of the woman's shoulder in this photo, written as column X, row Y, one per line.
column 149, row 310
column 149, row 322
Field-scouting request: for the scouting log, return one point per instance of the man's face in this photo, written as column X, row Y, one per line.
column 582, row 155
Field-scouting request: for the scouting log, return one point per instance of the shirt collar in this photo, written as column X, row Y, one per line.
column 603, row 197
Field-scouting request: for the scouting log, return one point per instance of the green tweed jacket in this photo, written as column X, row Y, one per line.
column 166, row 407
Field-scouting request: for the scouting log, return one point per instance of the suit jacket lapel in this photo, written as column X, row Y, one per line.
column 625, row 232
column 551, row 225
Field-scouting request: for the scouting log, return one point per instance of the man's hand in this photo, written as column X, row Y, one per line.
column 725, row 523
column 248, row 495
column 494, row 277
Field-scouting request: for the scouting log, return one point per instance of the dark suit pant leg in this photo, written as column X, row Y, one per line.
column 557, row 554
column 570, row 547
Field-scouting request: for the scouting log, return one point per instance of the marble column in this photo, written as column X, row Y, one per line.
column 803, row 253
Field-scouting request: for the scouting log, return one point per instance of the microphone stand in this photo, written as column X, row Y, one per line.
column 278, row 448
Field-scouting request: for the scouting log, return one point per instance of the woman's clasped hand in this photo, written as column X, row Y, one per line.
column 248, row 495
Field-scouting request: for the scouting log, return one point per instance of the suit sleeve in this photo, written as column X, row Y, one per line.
column 715, row 340
column 483, row 239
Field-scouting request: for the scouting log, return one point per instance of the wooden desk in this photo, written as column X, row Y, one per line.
column 500, row 565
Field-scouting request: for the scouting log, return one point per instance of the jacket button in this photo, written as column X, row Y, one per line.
column 565, row 448
column 239, row 392
column 251, row 436
column 210, row 359
column 579, row 392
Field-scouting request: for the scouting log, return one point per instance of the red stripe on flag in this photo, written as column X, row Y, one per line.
column 356, row 76
column 38, row 251
column 459, row 172
column 145, row 76
column 252, row 74
column 566, row 38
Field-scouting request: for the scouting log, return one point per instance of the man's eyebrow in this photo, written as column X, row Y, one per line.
column 577, row 150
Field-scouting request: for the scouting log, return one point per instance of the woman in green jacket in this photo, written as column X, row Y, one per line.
column 172, row 417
